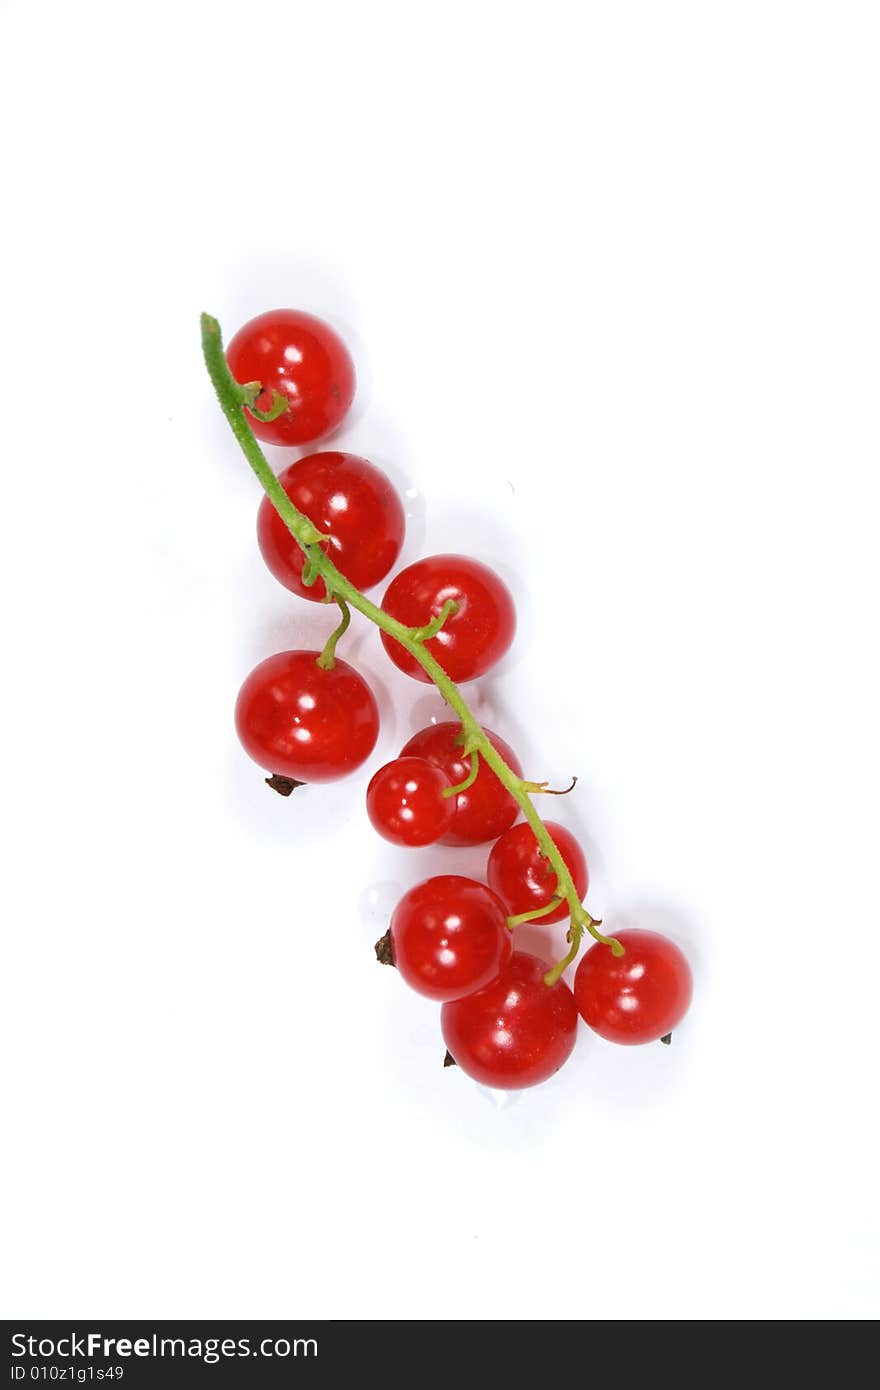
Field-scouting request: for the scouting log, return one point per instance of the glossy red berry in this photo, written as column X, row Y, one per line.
column 405, row 802
column 485, row 810
column 295, row 719
column 449, row 936
column 471, row 640
column 348, row 499
column 303, row 359
column 638, row 997
column 524, row 879
column 515, row 1031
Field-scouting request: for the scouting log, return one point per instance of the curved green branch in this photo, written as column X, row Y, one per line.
column 327, row 659
column 468, row 781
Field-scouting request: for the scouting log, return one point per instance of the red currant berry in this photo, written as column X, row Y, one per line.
column 449, row 936
column 295, row 719
column 638, row 997
column 471, row 640
column 515, row 1031
column 524, row 879
column 405, row 802
column 347, row 499
column 303, row 359
column 486, row 809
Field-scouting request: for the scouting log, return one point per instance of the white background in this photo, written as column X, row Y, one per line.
column 610, row 275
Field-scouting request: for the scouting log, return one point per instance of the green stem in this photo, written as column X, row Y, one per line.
column 469, row 780
column 522, row 917
column 424, row 634
column 327, row 659
column 310, row 570
column 411, row 639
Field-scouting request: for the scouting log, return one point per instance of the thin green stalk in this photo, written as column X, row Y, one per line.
column 468, row 781
column 424, row 634
column 327, row 659
column 232, row 401
column 522, row 917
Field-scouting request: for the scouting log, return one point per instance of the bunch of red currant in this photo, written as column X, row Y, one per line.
column 331, row 526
